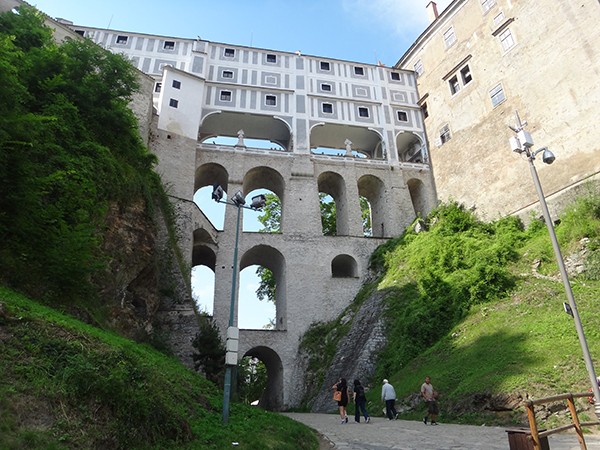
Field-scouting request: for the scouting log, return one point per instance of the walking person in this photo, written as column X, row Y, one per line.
column 360, row 402
column 388, row 395
column 342, row 387
column 429, row 396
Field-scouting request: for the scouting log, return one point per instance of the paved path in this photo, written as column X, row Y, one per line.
column 382, row 434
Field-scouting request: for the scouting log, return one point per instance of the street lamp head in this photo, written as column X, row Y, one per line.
column 548, row 157
column 238, row 199
column 258, row 202
column 217, row 193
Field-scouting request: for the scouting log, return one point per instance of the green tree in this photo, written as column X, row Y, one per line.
column 252, row 379
column 69, row 147
column 209, row 357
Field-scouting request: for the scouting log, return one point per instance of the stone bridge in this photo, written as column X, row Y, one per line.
column 297, row 126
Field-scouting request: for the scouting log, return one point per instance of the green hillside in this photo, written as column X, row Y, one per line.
column 479, row 308
column 65, row 384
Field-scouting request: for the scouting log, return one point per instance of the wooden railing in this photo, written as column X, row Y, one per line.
column 536, row 435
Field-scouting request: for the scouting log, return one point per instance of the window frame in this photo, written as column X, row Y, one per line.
column 363, row 112
column 223, row 93
column 487, row 5
column 418, row 68
column 395, row 76
column 444, row 134
column 271, row 58
column 454, row 84
column 122, row 39
column 270, row 97
column 325, row 66
column 404, row 113
column 157, row 87
column 449, row 39
column 359, row 71
column 176, row 84
column 226, row 73
column 229, row 52
column 327, row 106
column 504, row 36
column 169, row 45
column 493, row 93
column 173, row 103
column 464, row 74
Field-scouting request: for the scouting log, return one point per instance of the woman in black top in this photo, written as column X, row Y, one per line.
column 342, row 386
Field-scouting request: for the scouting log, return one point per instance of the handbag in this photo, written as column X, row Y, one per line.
column 337, row 396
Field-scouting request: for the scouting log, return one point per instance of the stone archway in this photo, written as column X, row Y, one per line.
column 272, row 259
column 272, row 397
column 373, row 189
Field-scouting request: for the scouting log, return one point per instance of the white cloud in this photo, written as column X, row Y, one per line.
column 405, row 18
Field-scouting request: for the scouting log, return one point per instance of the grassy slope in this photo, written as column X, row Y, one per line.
column 64, row 384
column 522, row 343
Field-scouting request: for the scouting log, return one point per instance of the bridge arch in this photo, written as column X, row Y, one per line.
column 418, row 196
column 411, row 148
column 272, row 259
column 255, row 126
column 344, row 266
column 373, row 189
column 272, row 397
column 333, row 184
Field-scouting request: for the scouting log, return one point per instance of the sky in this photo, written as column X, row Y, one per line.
column 366, row 31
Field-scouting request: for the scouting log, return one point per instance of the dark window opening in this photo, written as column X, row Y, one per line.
column 359, row 71
column 363, row 112
column 271, row 58
column 271, row 100
column 177, row 84
column 328, row 108
column 169, row 45
column 229, row 52
column 395, row 76
column 173, row 103
column 402, row 116
column 325, row 65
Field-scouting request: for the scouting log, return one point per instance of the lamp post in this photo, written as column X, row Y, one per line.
column 522, row 144
column 258, row 202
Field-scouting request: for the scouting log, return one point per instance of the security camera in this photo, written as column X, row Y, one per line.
column 548, row 157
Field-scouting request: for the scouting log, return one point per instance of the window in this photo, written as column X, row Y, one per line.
column 327, row 108
column 157, row 87
column 270, row 100
column 418, row 68
column 271, row 58
column 497, row 95
column 169, row 45
column 454, row 85
column 122, row 40
column 227, row 74
column 225, row 96
column 402, row 116
column 465, row 74
column 80, row 32
column 395, row 76
column 325, row 87
column 359, row 71
column 449, row 37
column 445, row 134
column 498, row 18
column 229, row 52
column 324, row 65
column 424, row 110
column 487, row 5
column 363, row 112
column 506, row 39
column 177, row 84
column 173, row 103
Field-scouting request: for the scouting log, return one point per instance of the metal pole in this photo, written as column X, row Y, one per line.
column 228, row 368
column 565, row 279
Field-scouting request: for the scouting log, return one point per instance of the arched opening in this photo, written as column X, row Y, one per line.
column 203, row 272
column 255, row 313
column 271, row 259
column 416, row 188
column 345, row 140
column 271, row 398
column 411, row 148
column 366, row 215
column 252, row 380
column 269, row 132
column 373, row 190
column 344, row 266
column 264, row 180
column 333, row 185
column 207, row 175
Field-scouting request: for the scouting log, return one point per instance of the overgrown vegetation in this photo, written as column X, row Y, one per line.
column 465, row 307
column 69, row 147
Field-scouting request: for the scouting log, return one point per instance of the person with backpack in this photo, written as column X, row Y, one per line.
column 360, row 402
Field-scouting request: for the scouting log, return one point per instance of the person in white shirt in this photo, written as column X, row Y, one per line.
column 388, row 395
